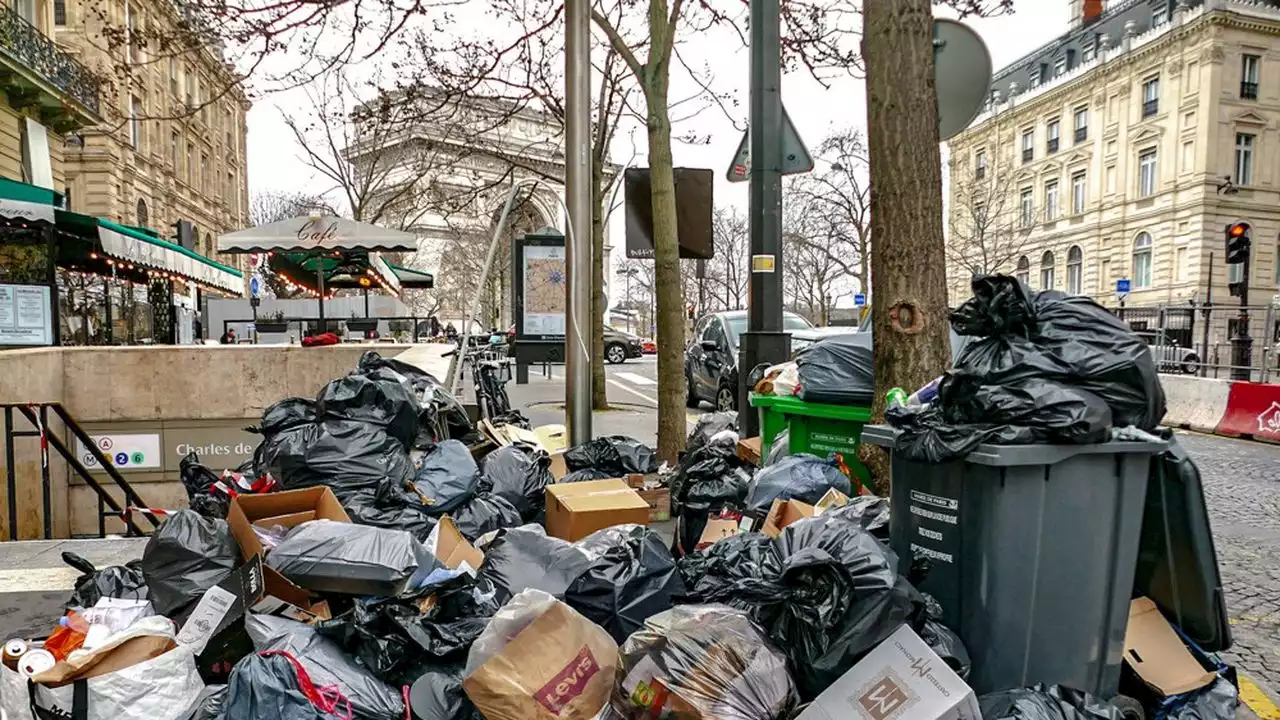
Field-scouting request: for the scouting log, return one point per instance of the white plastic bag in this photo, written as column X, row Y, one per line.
column 787, row 381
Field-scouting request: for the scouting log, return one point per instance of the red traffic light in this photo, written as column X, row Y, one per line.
column 1240, row 229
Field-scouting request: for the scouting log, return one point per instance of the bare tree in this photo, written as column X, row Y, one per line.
column 727, row 271
column 989, row 224
column 836, row 206
column 812, row 282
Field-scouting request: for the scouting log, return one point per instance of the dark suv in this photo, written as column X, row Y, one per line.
column 711, row 360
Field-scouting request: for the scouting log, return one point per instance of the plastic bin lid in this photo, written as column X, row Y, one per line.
column 1013, row 455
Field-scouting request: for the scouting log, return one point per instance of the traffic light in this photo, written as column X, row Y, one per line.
column 184, row 233
column 1238, row 242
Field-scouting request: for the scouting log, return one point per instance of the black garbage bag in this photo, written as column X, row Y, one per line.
column 869, row 511
column 708, row 480
column 393, row 638
column 327, row 664
column 387, row 404
column 448, row 477
column 186, row 556
column 1051, row 336
column 526, row 557
column 838, row 370
column 1045, row 703
column 711, row 425
column 437, row 403
column 483, row 514
column 367, row 507
column 1055, row 412
column 270, row 685
column 123, row 582
column 713, row 658
column 927, row 437
column 339, row 557
column 200, row 483
column 437, row 695
column 732, row 571
column 947, row 645
column 346, row 455
column 617, row 455
column 632, row 577
column 520, row 475
column 800, row 477
column 286, row 414
column 210, row 704
column 1219, row 700
column 586, row 475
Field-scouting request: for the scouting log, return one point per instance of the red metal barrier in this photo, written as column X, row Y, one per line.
column 1253, row 411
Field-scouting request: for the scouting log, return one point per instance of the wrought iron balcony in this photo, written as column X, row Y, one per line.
column 34, row 55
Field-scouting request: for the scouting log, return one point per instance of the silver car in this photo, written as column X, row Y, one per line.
column 1170, row 356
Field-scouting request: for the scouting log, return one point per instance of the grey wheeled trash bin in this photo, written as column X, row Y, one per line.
column 1033, row 550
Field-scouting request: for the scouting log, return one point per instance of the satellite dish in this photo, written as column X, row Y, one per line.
column 962, row 75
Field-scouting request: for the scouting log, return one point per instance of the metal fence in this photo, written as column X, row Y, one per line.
column 1217, row 341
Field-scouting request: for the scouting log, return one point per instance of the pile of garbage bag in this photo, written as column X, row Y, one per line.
column 1040, row 367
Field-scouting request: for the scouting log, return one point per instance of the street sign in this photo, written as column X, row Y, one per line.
column 1122, row 289
column 255, row 285
column 962, row 75
column 859, row 300
column 126, row 451
column 795, row 156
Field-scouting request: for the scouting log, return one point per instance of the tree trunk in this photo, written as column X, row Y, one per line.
column 670, row 296
column 909, row 306
column 599, row 398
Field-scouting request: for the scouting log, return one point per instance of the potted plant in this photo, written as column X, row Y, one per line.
column 273, row 323
column 361, row 325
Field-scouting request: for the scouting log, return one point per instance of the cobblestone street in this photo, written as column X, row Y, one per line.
column 1242, row 488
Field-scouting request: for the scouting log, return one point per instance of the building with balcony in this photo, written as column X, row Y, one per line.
column 46, row 91
column 170, row 144
column 1121, row 150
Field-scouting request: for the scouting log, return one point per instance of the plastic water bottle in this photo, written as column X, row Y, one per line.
column 926, row 394
column 895, row 397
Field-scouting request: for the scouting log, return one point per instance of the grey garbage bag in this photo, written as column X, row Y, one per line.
column 632, row 578
column 1045, row 703
column 527, row 558
column 326, row 664
column 520, row 476
column 838, row 370
column 210, row 704
column 1219, row 700
column 616, row 455
column 337, row 557
column 448, row 477
column 800, row 477
column 270, row 685
column 186, row 556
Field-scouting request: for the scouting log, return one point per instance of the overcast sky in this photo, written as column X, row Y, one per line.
column 274, row 162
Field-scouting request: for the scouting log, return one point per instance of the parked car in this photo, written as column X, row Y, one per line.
column 711, row 360
column 801, row 339
column 619, row 346
column 1170, row 356
column 649, row 347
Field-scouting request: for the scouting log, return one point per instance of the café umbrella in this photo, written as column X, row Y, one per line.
column 320, row 244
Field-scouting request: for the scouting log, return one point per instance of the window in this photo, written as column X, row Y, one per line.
column 1151, row 97
column 979, row 162
column 204, row 172
column 1023, row 270
column 26, row 10
column 1090, row 49
column 1141, row 261
column 1075, row 270
column 1180, row 269
column 1046, row 271
column 1051, row 201
column 59, row 12
column 1082, row 124
column 189, row 169
column 1110, row 174
column 1051, row 133
column 143, row 218
column 173, row 76
column 1026, row 205
column 1147, row 173
column 135, row 122
column 1244, row 159
column 1060, row 66
column 131, row 34
column 1188, row 155
column 174, row 157
column 1160, row 14
column 1028, row 145
column 1078, row 192
column 1250, row 70
column 1278, row 265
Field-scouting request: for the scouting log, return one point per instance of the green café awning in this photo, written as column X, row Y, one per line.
column 23, row 201
column 413, row 279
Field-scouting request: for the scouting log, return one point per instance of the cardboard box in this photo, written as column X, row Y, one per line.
column 749, row 450
column 288, row 509
column 716, row 530
column 214, row 627
column 558, row 467
column 1157, row 655
column 783, row 513
column 901, row 679
column 560, row 667
column 450, row 548
column 575, row 510
column 659, row 500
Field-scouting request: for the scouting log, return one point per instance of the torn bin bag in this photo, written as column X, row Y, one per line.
column 617, row 455
column 326, row 664
column 186, row 556
column 389, row 405
column 632, row 578
column 448, row 477
column 328, row 556
column 800, row 477
column 713, row 662
column 520, row 476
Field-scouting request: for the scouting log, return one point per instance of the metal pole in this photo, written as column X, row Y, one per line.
column 1208, row 317
column 577, row 193
column 366, row 303
column 1242, row 343
column 764, row 341
column 320, row 284
column 501, row 226
column 10, row 471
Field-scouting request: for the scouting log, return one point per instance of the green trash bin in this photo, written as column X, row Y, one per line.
column 815, row 428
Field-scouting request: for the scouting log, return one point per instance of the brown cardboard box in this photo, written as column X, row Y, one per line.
column 659, row 500
column 288, row 509
column 558, row 467
column 452, row 549
column 575, row 510
column 717, row 529
column 749, row 450
column 1158, row 655
column 783, row 513
column 560, row 667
